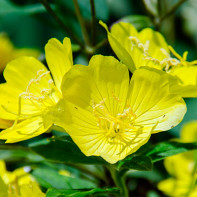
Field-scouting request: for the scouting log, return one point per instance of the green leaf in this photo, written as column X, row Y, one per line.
column 78, row 193
column 64, row 150
column 50, row 178
column 166, row 149
column 139, row 21
column 148, row 154
column 17, row 153
column 152, row 6
column 142, row 163
column 6, row 7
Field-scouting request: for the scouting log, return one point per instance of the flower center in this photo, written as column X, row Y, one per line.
column 118, row 126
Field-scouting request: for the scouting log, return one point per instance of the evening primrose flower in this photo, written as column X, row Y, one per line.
column 30, row 93
column 18, row 183
column 8, row 52
column 113, row 116
column 182, row 167
column 149, row 48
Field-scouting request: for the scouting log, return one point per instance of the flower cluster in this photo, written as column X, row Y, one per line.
column 18, row 183
column 106, row 112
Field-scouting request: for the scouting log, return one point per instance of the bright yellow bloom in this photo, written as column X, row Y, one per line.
column 181, row 167
column 149, row 48
column 8, row 52
column 30, row 94
column 112, row 116
column 18, row 183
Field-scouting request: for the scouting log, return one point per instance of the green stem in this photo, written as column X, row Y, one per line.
column 60, row 22
column 119, row 180
column 87, row 171
column 82, row 22
column 93, row 21
column 100, row 44
column 172, row 10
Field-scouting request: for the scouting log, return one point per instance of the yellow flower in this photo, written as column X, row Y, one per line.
column 18, row 183
column 181, row 167
column 30, row 93
column 189, row 132
column 112, row 116
column 8, row 52
column 149, row 48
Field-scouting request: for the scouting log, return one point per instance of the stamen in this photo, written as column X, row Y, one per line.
column 175, row 53
column 166, row 63
column 117, row 125
column 164, row 52
column 185, row 55
column 136, row 42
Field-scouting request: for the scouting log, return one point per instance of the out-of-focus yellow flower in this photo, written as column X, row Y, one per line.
column 149, row 48
column 182, row 168
column 8, row 52
column 112, row 116
column 30, row 93
column 5, row 123
column 18, row 183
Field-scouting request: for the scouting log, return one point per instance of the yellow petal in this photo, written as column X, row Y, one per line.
column 7, row 51
column 95, row 85
column 189, row 132
column 24, row 130
column 183, row 171
column 188, row 91
column 121, row 46
column 156, row 43
column 187, row 74
column 3, row 188
column 173, row 187
column 2, row 168
column 5, row 123
column 152, row 102
column 31, row 189
column 177, row 87
column 187, row 84
column 22, row 175
column 18, row 75
column 59, row 58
